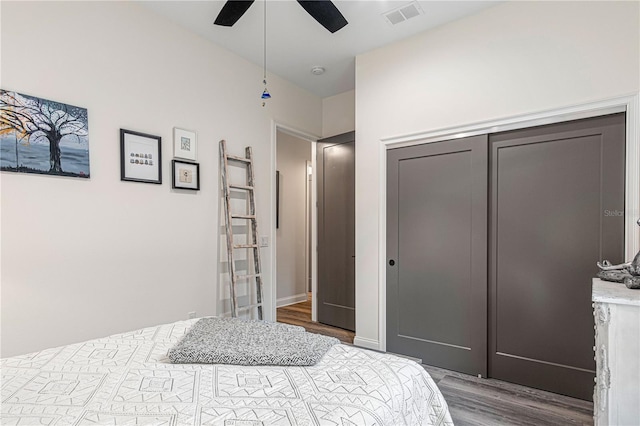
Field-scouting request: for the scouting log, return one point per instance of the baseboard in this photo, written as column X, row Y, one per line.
column 363, row 342
column 291, row 300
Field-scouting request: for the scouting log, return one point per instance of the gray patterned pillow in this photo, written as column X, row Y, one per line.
column 249, row 342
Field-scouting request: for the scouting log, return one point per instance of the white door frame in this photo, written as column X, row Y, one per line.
column 628, row 104
column 309, row 185
column 275, row 127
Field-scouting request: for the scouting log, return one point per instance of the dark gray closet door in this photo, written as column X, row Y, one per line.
column 437, row 253
column 336, row 231
column 557, row 207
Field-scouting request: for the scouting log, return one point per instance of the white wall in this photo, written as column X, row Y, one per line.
column 292, row 155
column 339, row 114
column 86, row 258
column 515, row 58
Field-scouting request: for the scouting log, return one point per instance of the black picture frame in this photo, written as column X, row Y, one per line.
column 140, row 157
column 182, row 175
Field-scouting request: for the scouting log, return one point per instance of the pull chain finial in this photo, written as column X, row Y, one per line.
column 265, row 94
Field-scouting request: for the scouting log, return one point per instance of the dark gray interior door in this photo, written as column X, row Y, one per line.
column 557, row 207
column 437, row 253
column 336, row 231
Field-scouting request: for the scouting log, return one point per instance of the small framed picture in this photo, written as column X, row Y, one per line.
column 185, row 145
column 140, row 157
column 185, row 175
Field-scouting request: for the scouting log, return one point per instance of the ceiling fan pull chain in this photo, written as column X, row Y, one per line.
column 265, row 94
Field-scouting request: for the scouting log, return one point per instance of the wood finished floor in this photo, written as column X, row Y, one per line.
column 300, row 314
column 473, row 401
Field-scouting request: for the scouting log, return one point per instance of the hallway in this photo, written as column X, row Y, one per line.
column 300, row 314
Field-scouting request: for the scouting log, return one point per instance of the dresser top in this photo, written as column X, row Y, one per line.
column 617, row 293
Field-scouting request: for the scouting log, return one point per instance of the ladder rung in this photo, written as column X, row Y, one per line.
column 244, row 308
column 241, row 246
column 247, row 276
column 241, row 159
column 243, row 216
column 245, row 187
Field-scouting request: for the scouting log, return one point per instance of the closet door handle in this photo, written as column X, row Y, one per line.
column 392, row 262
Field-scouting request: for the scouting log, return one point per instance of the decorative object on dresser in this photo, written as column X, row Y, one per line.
column 185, row 175
column 140, row 157
column 185, row 144
column 42, row 136
column 616, row 396
column 627, row 273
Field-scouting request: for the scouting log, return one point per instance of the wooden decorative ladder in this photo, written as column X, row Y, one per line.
column 252, row 241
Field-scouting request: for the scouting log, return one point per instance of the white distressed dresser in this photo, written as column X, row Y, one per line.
column 617, row 322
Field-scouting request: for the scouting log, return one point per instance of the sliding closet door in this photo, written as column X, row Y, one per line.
column 437, row 253
column 557, row 207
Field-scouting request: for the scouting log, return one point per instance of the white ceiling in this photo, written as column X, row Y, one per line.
column 296, row 42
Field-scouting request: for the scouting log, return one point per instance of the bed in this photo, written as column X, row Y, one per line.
column 127, row 379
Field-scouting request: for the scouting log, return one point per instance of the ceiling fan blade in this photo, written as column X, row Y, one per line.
column 325, row 12
column 232, row 11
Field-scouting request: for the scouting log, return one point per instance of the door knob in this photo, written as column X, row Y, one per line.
column 392, row 262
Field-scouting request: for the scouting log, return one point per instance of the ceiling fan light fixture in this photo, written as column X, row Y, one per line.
column 318, row 70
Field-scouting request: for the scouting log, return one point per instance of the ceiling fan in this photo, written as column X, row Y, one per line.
column 323, row 11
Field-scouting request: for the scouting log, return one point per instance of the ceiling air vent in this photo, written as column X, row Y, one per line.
column 403, row 13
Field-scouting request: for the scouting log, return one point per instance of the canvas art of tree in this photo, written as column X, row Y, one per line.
column 42, row 136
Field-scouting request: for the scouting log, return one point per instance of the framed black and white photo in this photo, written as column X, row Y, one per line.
column 140, row 157
column 185, row 175
column 185, row 144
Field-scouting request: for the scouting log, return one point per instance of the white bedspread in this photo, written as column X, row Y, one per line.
column 126, row 379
